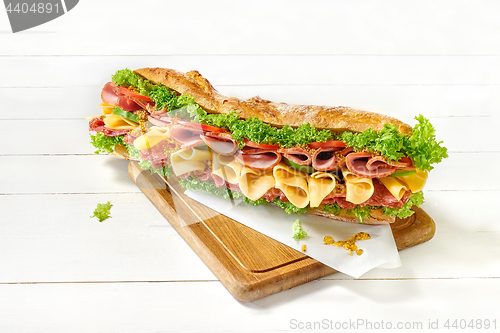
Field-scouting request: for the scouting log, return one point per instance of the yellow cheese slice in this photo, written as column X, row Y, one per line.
column 358, row 189
column 255, row 183
column 395, row 186
column 293, row 183
column 227, row 168
column 415, row 182
column 89, row 118
column 106, row 108
column 188, row 160
column 114, row 121
column 153, row 137
column 320, row 184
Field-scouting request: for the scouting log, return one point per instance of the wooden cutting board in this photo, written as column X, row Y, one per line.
column 249, row 264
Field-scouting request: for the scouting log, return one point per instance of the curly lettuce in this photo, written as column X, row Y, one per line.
column 127, row 78
column 298, row 232
column 415, row 199
column 105, row 144
column 102, row 211
column 421, row 147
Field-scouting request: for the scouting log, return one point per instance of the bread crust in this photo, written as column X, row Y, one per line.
column 376, row 217
column 338, row 118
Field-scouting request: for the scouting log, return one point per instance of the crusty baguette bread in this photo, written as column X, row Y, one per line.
column 376, row 216
column 276, row 114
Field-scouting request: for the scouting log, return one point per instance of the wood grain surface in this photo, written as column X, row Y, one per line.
column 249, row 264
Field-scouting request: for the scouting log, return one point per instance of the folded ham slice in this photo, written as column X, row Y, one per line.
column 297, row 155
column 325, row 159
column 161, row 121
column 221, row 143
column 368, row 166
column 188, row 137
column 258, row 159
column 110, row 95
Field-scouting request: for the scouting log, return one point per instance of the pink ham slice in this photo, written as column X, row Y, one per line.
column 110, row 95
column 324, row 159
column 364, row 165
column 161, row 121
column 297, row 155
column 259, row 159
column 221, row 143
column 188, row 137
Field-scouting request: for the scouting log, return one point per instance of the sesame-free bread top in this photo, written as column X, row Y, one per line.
column 277, row 114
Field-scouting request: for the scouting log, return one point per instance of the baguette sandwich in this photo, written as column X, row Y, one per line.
column 338, row 162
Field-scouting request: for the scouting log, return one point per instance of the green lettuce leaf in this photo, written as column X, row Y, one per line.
column 126, row 78
column 102, row 211
column 298, row 233
column 193, row 183
column 416, row 199
column 421, row 147
column 105, row 144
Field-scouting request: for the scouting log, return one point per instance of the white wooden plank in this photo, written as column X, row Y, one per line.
column 463, row 211
column 52, row 238
column 43, row 71
column 64, row 174
column 189, row 306
column 68, row 136
column 396, row 100
column 50, row 103
column 263, row 27
column 456, row 173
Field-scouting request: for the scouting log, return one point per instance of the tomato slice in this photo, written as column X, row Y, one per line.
column 259, row 145
column 129, row 93
column 206, row 128
column 327, row 144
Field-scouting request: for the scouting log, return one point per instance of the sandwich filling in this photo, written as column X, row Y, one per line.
column 298, row 168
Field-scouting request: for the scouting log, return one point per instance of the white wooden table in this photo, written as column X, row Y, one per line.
column 61, row 271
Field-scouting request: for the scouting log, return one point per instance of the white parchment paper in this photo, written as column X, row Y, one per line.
column 379, row 251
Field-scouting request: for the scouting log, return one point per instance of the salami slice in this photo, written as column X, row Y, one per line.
column 97, row 125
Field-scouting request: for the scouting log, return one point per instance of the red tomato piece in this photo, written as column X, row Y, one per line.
column 327, row 144
column 206, row 128
column 129, row 93
column 260, row 145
